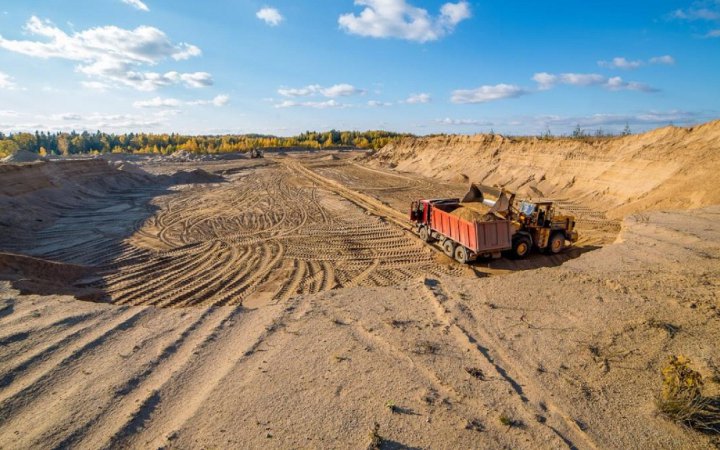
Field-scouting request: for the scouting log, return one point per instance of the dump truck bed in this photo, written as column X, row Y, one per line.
column 479, row 237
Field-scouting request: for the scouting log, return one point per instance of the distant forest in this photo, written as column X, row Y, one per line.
column 94, row 143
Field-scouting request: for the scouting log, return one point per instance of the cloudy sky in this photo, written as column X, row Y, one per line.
column 419, row 66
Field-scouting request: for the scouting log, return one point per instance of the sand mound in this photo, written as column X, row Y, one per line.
column 41, row 276
column 183, row 155
column 329, row 158
column 21, row 156
column 668, row 168
column 195, row 176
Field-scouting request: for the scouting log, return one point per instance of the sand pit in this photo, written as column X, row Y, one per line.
column 292, row 309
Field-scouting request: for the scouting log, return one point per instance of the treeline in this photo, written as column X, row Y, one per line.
column 82, row 143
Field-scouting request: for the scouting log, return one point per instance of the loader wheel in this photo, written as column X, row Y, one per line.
column 424, row 234
column 449, row 247
column 556, row 244
column 461, row 255
column 521, row 247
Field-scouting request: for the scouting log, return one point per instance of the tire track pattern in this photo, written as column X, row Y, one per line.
column 270, row 231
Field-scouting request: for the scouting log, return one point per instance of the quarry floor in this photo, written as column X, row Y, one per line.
column 288, row 306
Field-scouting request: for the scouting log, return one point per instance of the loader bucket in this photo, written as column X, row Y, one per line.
column 474, row 194
column 502, row 204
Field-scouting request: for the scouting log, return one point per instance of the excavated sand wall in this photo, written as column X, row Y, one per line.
column 668, row 168
column 32, row 195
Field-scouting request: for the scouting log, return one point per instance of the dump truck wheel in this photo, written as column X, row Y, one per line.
column 556, row 244
column 521, row 247
column 424, row 234
column 449, row 247
column 461, row 255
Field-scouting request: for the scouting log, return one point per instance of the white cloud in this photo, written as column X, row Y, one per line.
column 463, row 122
column 582, row 79
column 341, row 90
column 665, row 59
column 547, row 81
column 317, row 105
column 648, row 118
column 418, row 98
column 137, row 4
column 66, row 116
column 271, row 16
column 713, row 33
column 218, row 100
column 377, row 103
column 624, row 63
column 618, row 84
column 159, row 102
column 700, row 10
column 485, row 94
column 398, row 19
column 300, row 92
column 111, row 54
column 337, row 90
column 620, row 63
column 6, row 82
column 94, row 85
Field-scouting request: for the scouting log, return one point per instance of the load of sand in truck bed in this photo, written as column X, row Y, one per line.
column 473, row 212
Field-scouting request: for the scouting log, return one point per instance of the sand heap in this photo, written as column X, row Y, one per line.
column 184, row 155
column 195, row 176
column 22, row 156
column 668, row 168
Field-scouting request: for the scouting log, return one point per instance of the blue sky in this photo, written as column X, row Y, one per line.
column 284, row 66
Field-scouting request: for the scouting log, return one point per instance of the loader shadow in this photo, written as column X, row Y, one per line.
column 535, row 260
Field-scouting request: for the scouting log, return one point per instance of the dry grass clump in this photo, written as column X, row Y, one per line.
column 681, row 399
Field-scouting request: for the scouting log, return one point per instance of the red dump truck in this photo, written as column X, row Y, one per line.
column 518, row 230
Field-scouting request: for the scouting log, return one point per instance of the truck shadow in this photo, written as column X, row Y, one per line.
column 534, row 261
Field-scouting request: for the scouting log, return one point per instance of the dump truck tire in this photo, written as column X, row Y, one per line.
column 424, row 234
column 462, row 255
column 520, row 247
column 556, row 244
column 449, row 248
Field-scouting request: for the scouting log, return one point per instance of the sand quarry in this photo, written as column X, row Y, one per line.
column 284, row 303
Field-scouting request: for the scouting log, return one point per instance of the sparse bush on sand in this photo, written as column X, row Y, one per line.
column 681, row 398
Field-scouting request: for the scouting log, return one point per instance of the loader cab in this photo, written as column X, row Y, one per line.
column 536, row 214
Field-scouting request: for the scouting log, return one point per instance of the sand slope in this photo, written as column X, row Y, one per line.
column 666, row 168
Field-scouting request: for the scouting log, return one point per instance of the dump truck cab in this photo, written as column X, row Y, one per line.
column 546, row 229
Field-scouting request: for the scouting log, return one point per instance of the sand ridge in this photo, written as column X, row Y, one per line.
column 668, row 168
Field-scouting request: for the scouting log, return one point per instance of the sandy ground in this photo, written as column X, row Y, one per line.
column 286, row 305
column 572, row 354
